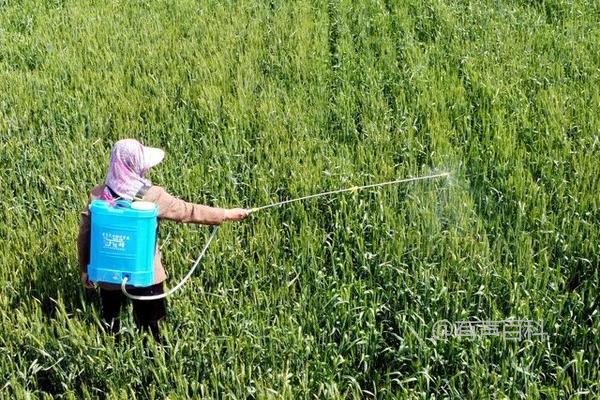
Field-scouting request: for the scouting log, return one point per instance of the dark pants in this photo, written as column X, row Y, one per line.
column 146, row 313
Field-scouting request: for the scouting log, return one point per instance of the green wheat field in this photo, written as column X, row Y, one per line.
column 337, row 297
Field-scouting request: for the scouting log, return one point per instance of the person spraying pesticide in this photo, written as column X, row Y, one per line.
column 117, row 241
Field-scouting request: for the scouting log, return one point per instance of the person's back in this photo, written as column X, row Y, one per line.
column 129, row 162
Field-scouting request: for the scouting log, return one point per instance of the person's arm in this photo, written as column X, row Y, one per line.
column 175, row 209
column 83, row 246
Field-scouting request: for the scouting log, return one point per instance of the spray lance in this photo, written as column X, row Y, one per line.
column 215, row 228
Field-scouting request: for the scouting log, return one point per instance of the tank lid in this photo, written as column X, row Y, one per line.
column 143, row 205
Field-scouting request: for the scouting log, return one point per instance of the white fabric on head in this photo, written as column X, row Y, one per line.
column 129, row 162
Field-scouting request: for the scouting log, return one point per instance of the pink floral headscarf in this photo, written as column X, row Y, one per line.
column 129, row 162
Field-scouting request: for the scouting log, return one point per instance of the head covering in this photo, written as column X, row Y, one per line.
column 129, row 162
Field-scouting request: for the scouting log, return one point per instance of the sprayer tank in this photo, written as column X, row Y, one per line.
column 123, row 240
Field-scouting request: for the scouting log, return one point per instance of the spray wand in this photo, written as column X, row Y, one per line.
column 215, row 228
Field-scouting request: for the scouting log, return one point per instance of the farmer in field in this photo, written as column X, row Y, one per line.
column 129, row 163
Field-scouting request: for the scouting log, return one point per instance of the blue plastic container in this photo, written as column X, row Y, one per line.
column 123, row 241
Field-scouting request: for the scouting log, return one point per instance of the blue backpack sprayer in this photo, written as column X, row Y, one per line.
column 123, row 239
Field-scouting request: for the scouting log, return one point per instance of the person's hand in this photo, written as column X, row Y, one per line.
column 85, row 281
column 236, row 214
